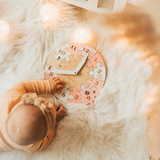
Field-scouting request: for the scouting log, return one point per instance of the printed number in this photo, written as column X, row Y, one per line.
column 76, row 97
column 86, row 50
column 74, row 48
column 95, row 59
column 88, row 97
column 51, row 74
column 96, row 83
column 62, row 52
column 99, row 71
column 63, row 95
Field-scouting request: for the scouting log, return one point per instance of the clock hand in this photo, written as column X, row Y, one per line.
column 80, row 65
column 63, row 72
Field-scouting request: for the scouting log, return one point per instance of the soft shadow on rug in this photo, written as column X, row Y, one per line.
column 113, row 129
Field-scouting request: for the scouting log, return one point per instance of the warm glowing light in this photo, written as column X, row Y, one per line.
column 48, row 12
column 82, row 35
column 4, row 29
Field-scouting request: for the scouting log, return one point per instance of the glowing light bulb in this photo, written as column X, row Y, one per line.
column 82, row 35
column 48, row 12
column 4, row 29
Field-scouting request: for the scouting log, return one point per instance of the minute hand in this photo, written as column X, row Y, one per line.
column 64, row 72
column 80, row 65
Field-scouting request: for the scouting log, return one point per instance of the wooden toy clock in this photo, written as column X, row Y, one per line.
column 82, row 69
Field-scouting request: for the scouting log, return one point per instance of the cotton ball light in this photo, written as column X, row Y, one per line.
column 48, row 12
column 82, row 35
column 4, row 29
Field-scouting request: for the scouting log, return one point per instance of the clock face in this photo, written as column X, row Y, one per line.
column 81, row 68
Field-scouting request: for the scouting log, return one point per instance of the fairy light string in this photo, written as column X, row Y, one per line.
column 49, row 12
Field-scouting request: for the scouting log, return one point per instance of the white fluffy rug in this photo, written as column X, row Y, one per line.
column 114, row 129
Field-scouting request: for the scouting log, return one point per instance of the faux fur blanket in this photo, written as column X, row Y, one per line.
column 115, row 128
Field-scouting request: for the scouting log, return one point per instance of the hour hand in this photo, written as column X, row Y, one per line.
column 80, row 65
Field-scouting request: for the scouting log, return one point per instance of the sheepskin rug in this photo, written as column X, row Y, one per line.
column 115, row 128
